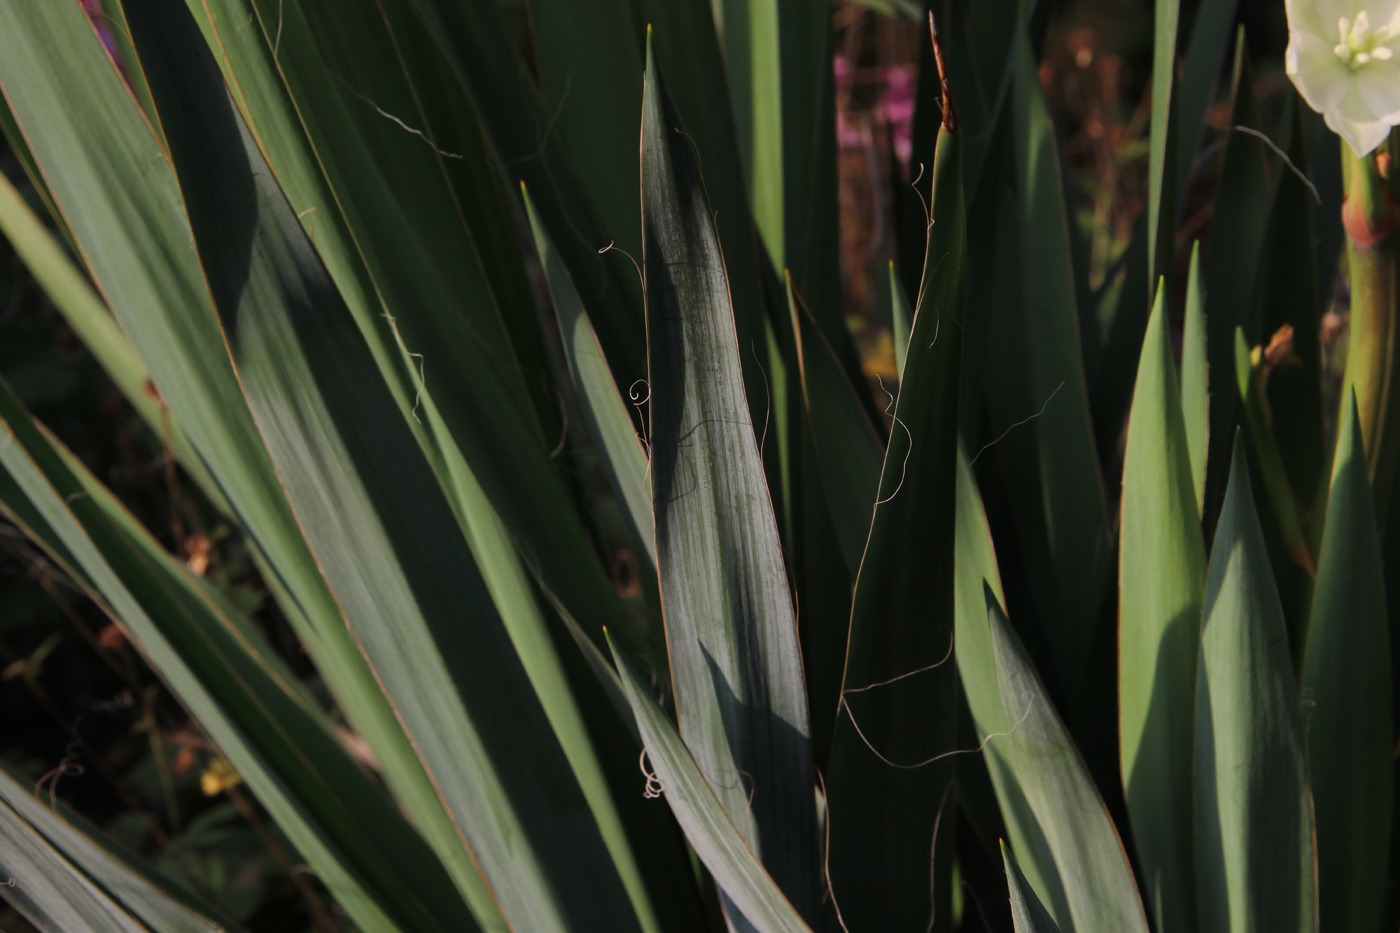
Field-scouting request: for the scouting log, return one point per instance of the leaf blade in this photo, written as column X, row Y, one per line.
column 1162, row 572
column 736, row 661
column 1254, row 823
column 889, row 780
column 1347, row 698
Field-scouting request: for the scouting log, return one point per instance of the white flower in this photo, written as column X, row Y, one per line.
column 1344, row 58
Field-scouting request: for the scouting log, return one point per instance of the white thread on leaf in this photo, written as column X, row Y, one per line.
column 1017, row 424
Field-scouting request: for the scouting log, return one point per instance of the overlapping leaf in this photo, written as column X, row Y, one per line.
column 1086, row 881
column 112, row 181
column 1162, row 570
column 371, row 859
column 1254, row 823
column 1059, row 485
column 1027, row 913
column 384, row 533
column 889, row 775
column 735, row 659
column 1347, row 698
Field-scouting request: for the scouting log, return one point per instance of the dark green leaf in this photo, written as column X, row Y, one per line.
column 1162, row 570
column 736, row 663
column 1347, row 699
column 1061, row 820
column 113, row 183
column 1027, row 913
column 1076, row 556
column 1254, row 823
column 1238, row 230
column 608, row 422
column 889, row 775
column 847, row 447
column 1267, row 458
column 1161, row 172
column 723, row 848
column 1195, row 400
column 133, row 886
column 1210, row 39
column 384, row 532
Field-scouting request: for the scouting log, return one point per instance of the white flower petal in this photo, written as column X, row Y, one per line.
column 1378, row 86
column 1362, row 137
column 1382, row 12
column 1329, row 11
column 1318, row 17
column 1320, row 76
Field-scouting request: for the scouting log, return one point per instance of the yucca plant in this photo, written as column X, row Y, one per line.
column 655, row 536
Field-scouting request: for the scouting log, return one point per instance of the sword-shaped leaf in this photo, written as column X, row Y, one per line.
column 367, row 854
column 722, row 846
column 1255, row 863
column 889, row 776
column 848, row 450
column 1027, row 913
column 480, row 690
column 605, row 413
column 735, row 658
column 1060, row 485
column 1347, row 697
column 1161, row 576
column 130, row 885
column 1195, row 400
column 1088, row 884
column 1238, row 232
column 112, row 181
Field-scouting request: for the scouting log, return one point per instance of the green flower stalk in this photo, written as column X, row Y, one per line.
column 1342, row 58
column 1370, row 217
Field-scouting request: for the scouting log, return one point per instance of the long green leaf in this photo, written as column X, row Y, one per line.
column 367, row 855
column 384, row 533
column 1210, row 40
column 847, row 448
column 1161, row 172
column 1074, row 561
column 589, row 58
column 1089, row 884
column 136, row 887
column 753, row 58
column 889, row 777
column 723, row 847
column 433, row 284
column 111, row 179
column 1294, row 262
column 49, row 890
column 1195, row 400
column 1347, row 699
column 515, row 119
column 1027, row 913
column 1278, row 492
column 1254, row 822
column 1162, row 570
column 608, row 422
column 900, row 319
column 685, row 39
column 89, row 318
column 1238, row 230
column 811, row 215
column 736, row 664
